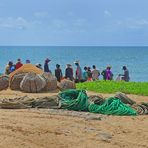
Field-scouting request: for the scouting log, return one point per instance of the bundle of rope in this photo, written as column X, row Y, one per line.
column 112, row 106
column 78, row 100
column 4, row 82
column 74, row 100
column 141, row 108
column 27, row 102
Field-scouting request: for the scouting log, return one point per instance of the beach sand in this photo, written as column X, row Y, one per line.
column 47, row 128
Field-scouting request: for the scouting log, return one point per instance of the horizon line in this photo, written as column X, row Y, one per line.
column 73, row 45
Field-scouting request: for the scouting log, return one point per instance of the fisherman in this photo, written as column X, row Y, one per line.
column 103, row 73
column 78, row 73
column 85, row 74
column 46, row 67
column 18, row 64
column 7, row 69
column 125, row 76
column 109, row 74
column 58, row 72
column 11, row 67
column 69, row 72
column 89, row 74
column 95, row 73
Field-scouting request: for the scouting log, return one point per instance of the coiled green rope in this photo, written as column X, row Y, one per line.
column 112, row 106
column 78, row 100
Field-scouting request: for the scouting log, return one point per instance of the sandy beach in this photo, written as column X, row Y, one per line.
column 48, row 128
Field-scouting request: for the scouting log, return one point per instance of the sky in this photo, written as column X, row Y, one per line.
column 74, row 22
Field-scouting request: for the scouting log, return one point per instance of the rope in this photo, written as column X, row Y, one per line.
column 112, row 106
column 78, row 100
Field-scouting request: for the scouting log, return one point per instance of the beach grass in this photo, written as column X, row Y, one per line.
column 138, row 88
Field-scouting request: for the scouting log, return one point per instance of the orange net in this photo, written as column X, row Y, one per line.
column 26, row 68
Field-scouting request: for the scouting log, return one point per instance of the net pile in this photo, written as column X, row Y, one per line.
column 112, row 106
column 4, row 82
column 26, row 68
column 26, row 102
column 78, row 100
column 74, row 100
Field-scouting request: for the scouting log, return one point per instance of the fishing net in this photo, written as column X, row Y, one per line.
column 78, row 100
column 25, row 102
column 124, row 98
column 112, row 106
column 66, row 84
column 26, row 68
column 74, row 100
column 141, row 108
column 4, row 82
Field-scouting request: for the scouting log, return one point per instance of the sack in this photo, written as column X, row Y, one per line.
column 66, row 84
column 4, row 82
column 16, row 80
column 51, row 81
column 32, row 83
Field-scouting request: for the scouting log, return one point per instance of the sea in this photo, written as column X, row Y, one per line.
column 135, row 58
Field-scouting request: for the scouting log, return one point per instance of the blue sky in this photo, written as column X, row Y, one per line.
column 74, row 22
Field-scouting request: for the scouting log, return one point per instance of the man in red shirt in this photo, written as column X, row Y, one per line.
column 18, row 64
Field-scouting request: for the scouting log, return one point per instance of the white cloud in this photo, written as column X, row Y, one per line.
column 133, row 23
column 55, row 25
column 58, row 24
column 14, row 23
column 107, row 13
column 80, row 22
column 42, row 14
column 71, row 25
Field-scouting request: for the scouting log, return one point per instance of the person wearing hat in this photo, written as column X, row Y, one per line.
column 78, row 74
column 18, row 64
column 58, row 72
column 46, row 67
column 69, row 72
column 125, row 76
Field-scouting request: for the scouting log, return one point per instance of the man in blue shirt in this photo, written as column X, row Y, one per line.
column 46, row 67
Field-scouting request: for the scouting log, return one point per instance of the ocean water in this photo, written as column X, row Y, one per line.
column 135, row 58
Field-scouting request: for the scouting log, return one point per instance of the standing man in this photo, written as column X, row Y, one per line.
column 95, row 73
column 46, row 67
column 103, row 73
column 78, row 72
column 58, row 73
column 69, row 72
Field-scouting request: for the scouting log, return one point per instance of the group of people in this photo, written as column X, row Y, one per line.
column 78, row 76
column 93, row 75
